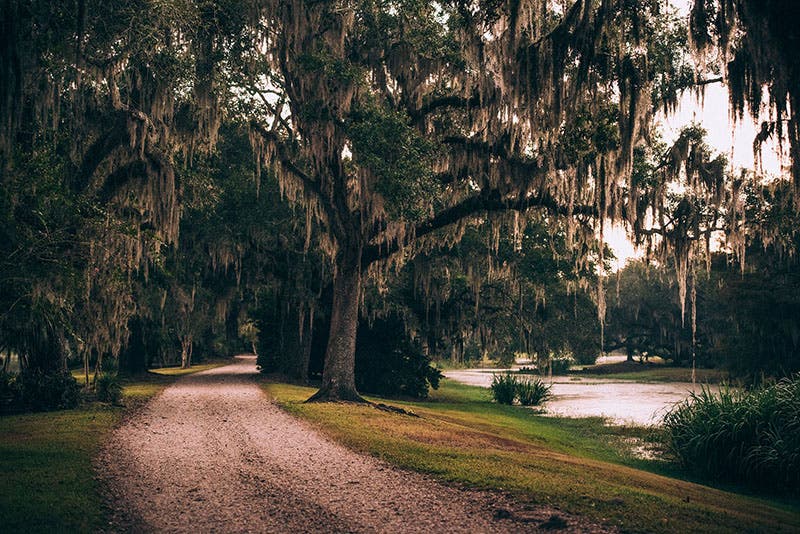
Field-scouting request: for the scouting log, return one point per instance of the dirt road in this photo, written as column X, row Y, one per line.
column 212, row 453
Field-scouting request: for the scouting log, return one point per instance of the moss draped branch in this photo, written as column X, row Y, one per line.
column 486, row 201
column 284, row 157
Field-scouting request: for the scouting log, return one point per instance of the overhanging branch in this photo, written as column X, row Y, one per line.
column 284, row 158
column 486, row 201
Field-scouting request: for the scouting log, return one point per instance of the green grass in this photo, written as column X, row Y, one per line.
column 46, row 479
column 46, row 482
column 578, row 465
column 653, row 373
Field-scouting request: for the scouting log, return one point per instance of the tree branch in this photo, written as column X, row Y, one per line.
column 452, row 101
column 486, row 201
column 309, row 184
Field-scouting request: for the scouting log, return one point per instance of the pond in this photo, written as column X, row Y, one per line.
column 621, row 401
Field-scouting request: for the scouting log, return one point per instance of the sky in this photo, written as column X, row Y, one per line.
column 734, row 139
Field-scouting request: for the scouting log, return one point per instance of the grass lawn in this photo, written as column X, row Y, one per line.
column 46, row 478
column 578, row 465
column 653, row 373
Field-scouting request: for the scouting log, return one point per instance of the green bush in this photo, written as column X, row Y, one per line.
column 561, row 365
column 108, row 388
column 389, row 362
column 34, row 390
column 9, row 393
column 505, row 358
column 504, row 388
column 738, row 436
column 532, row 392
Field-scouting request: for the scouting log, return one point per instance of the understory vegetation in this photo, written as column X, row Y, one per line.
column 507, row 387
column 36, row 390
column 47, row 482
column 581, row 466
column 750, row 437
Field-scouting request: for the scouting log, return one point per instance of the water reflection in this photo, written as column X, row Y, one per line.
column 622, row 402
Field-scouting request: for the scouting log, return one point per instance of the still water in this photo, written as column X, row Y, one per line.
column 621, row 401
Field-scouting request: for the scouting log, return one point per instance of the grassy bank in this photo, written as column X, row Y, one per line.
column 46, row 478
column 650, row 372
column 576, row 465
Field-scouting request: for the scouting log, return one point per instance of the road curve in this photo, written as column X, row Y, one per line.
column 212, row 453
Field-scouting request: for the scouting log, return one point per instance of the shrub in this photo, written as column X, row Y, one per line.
column 41, row 391
column 749, row 437
column 532, row 392
column 561, row 365
column 9, row 393
column 504, row 388
column 505, row 358
column 389, row 362
column 108, row 388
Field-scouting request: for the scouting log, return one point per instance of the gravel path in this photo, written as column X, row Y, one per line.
column 212, row 453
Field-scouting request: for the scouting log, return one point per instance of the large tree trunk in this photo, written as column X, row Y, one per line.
column 338, row 374
column 629, row 351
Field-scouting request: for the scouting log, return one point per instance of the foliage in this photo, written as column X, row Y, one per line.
column 532, row 391
column 508, row 387
column 389, row 363
column 644, row 316
column 108, row 388
column 741, row 436
column 754, row 42
column 480, row 299
column 560, row 364
column 9, row 392
column 745, row 310
column 504, row 387
column 36, row 390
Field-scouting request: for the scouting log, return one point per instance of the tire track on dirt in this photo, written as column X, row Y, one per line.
column 212, row 453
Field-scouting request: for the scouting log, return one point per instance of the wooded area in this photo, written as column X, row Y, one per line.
column 354, row 188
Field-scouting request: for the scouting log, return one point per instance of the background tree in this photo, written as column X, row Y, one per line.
column 753, row 42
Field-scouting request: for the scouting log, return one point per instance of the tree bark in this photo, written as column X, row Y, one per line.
column 186, row 352
column 629, row 352
column 338, row 373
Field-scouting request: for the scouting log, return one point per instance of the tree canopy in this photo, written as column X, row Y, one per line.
column 394, row 127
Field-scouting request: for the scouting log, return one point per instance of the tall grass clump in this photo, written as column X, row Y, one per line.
column 504, row 388
column 532, row 392
column 739, row 436
column 108, row 388
column 507, row 387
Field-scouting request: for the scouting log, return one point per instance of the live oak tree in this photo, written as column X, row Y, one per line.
column 395, row 124
column 754, row 44
column 113, row 93
column 485, row 299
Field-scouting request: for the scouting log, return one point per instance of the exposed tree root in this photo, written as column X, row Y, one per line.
column 328, row 394
column 346, row 395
